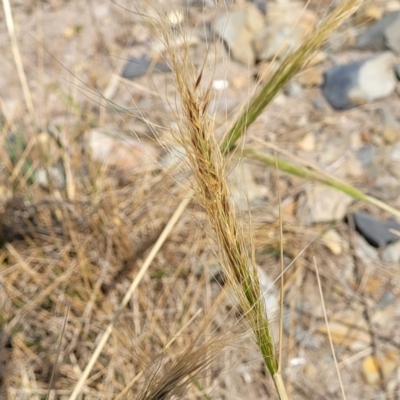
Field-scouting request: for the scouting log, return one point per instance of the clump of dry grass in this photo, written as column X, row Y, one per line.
column 92, row 247
column 63, row 253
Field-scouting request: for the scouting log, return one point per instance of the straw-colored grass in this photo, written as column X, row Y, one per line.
column 110, row 289
column 197, row 134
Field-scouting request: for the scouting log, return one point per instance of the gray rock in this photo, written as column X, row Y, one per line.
column 136, row 67
column 361, row 82
column 51, row 176
column 366, row 154
column 237, row 29
column 391, row 127
column 261, row 5
column 287, row 24
column 382, row 35
column 318, row 103
column 388, row 187
column 395, row 153
column 365, row 251
column 397, row 71
column 377, row 233
column 293, row 89
column 322, row 204
column 388, row 297
column 392, row 253
column 308, row 341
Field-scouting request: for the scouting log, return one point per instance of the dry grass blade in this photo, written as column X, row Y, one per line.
column 208, row 165
column 282, row 274
column 329, row 331
column 54, row 372
column 17, row 57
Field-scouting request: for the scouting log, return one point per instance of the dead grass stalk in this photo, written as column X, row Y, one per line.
column 209, row 168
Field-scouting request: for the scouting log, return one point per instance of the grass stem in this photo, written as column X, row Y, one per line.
column 17, row 58
column 306, row 173
column 280, row 386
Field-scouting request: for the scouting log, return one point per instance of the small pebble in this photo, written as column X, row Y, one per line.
column 311, row 77
column 392, row 253
column 51, row 176
column 387, row 299
column 240, row 82
column 308, row 142
column 361, row 82
column 310, row 371
column 370, row 370
column 287, row 24
column 395, row 153
column 318, row 103
column 296, row 361
column 322, row 204
column 366, row 154
column 390, row 126
column 220, row 84
column 261, row 5
column 293, row 89
column 333, row 241
column 388, row 186
column 365, row 251
column 377, row 232
column 237, row 29
column 383, row 34
column 368, row 12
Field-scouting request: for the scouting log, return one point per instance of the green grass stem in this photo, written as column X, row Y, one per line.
column 309, row 174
